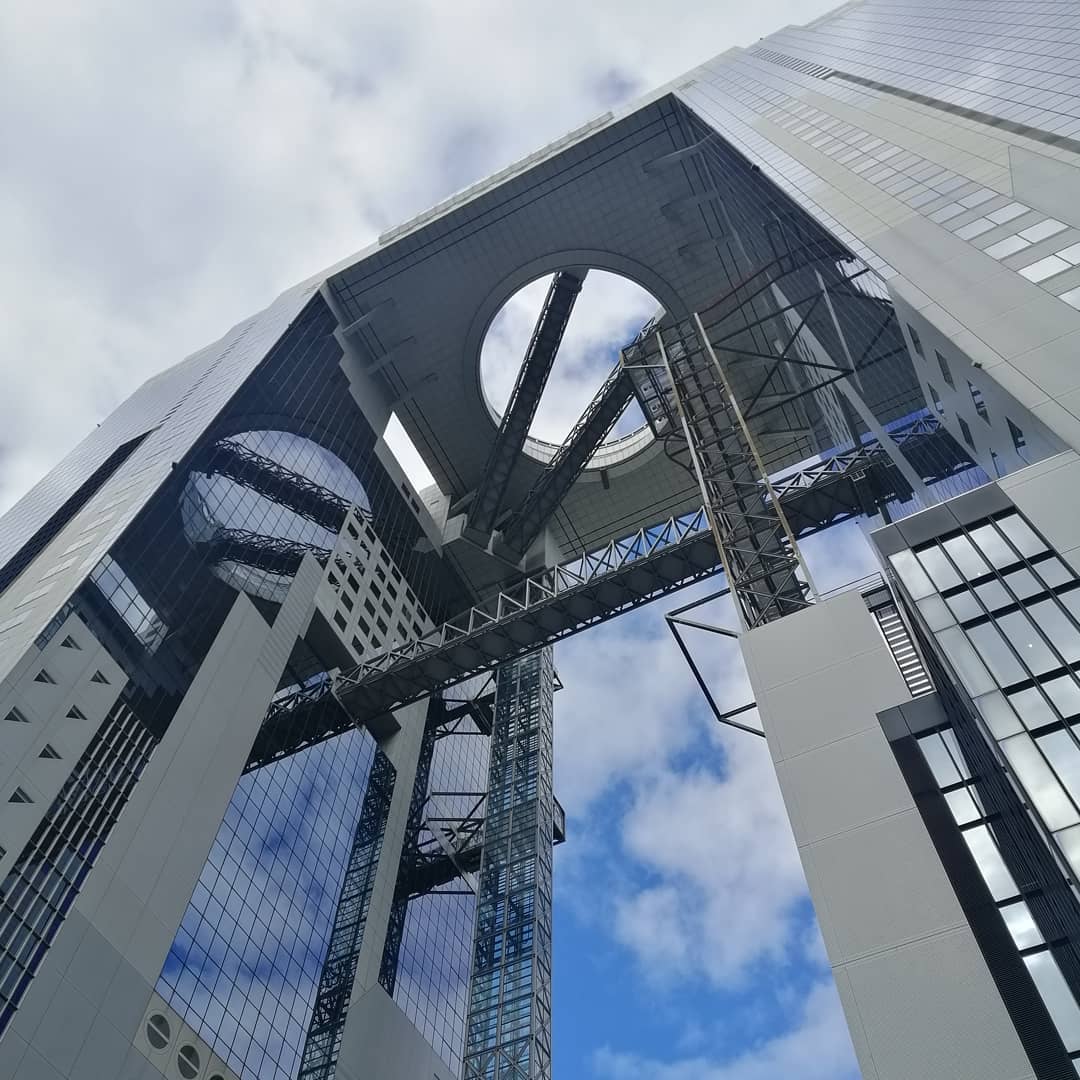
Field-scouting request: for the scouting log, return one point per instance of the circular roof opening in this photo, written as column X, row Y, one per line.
column 606, row 316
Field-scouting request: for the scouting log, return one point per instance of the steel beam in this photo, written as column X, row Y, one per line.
column 566, row 466
column 521, row 408
column 285, row 487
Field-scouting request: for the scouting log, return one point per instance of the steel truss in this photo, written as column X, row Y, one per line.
column 285, row 487
column 566, row 466
column 319, row 1060
column 508, row 1031
column 270, row 553
column 521, row 408
column 539, row 610
column 685, row 376
column 755, row 540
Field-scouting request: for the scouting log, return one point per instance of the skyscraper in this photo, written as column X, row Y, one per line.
column 276, row 727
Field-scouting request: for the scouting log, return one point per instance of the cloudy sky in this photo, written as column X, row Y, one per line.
column 171, row 167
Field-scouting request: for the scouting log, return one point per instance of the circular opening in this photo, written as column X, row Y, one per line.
column 213, row 504
column 607, row 314
column 158, row 1032
column 187, row 1061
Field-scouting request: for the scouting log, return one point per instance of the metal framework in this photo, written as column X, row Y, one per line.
column 539, row 610
column 685, row 377
column 273, row 554
column 521, row 408
column 754, row 538
column 508, row 1031
column 319, row 1060
column 285, row 487
column 565, row 467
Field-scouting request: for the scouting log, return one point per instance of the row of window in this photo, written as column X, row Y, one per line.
column 954, row 778
column 1018, row 439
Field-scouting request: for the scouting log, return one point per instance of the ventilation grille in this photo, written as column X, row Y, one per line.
column 807, row 67
column 901, row 646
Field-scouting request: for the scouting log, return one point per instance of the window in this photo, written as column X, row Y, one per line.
column 916, row 343
column 980, row 404
column 946, row 374
column 99, row 678
column 353, row 583
column 48, row 752
column 339, row 620
column 935, row 397
column 347, row 601
column 1019, row 442
column 75, row 713
column 70, row 643
column 44, row 677
column 966, row 431
column 369, row 607
column 17, row 716
column 20, row 796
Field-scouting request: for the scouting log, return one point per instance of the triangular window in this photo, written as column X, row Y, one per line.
column 17, row 716
column 99, row 678
column 70, row 643
column 18, row 795
column 48, row 752
column 44, row 676
column 75, row 713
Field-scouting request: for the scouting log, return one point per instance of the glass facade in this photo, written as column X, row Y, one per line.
column 428, row 970
column 1004, row 611
column 246, row 962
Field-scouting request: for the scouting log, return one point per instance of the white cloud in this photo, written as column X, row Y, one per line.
column 816, row 1048
column 722, row 874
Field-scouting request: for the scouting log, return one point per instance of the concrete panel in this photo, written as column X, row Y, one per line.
column 930, row 1010
column 1049, row 183
column 1037, row 493
column 884, row 886
column 808, row 712
column 380, row 1041
column 855, row 779
column 804, row 643
column 859, row 1039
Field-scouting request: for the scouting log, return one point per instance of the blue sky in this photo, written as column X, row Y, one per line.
column 196, row 159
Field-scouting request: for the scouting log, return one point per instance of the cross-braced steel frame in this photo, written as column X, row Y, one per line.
column 508, row 1030
column 521, row 408
column 319, row 1059
column 711, row 383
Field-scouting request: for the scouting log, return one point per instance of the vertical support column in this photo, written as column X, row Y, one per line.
column 508, row 1036
column 319, row 1061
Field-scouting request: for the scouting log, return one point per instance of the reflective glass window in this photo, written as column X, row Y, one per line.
column 941, row 571
column 1042, row 787
column 1064, row 692
column 1063, row 754
column 997, row 655
column 935, row 612
column 1058, row 997
column 912, row 574
column 998, row 714
column 981, row 844
column 965, row 661
column 993, row 546
column 1032, row 708
column 1021, row 535
column 1019, row 629
column 1021, row 925
column 966, row 556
